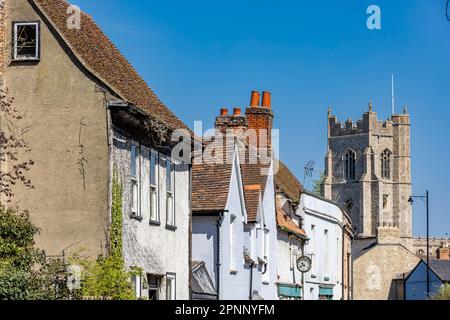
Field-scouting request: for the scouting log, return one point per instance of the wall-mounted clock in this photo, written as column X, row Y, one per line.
column 304, row 264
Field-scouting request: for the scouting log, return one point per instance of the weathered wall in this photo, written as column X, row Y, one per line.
column 156, row 249
column 65, row 127
column 375, row 268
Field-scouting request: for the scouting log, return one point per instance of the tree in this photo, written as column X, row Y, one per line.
column 25, row 272
column 444, row 293
column 317, row 184
column 12, row 146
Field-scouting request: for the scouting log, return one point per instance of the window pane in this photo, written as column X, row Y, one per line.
column 170, row 211
column 153, row 169
column 134, row 158
column 153, row 205
column 26, row 41
column 134, row 196
column 169, row 184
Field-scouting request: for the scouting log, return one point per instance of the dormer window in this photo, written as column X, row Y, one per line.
column 25, row 41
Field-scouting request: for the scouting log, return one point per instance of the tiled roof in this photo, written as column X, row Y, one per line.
column 286, row 223
column 100, row 57
column 441, row 268
column 211, row 183
column 287, row 183
column 253, row 175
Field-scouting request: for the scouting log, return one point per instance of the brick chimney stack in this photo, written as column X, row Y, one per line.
column 235, row 121
column 260, row 116
column 443, row 253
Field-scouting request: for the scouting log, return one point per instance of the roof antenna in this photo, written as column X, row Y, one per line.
column 309, row 168
column 393, row 95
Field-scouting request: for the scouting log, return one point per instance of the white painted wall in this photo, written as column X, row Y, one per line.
column 155, row 248
column 322, row 222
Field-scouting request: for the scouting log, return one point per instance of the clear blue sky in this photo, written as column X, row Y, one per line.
column 199, row 56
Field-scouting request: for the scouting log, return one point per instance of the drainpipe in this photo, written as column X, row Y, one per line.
column 250, row 296
column 219, row 224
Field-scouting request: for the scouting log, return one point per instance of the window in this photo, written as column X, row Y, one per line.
column 170, row 191
column 350, row 160
column 135, row 181
column 154, row 207
column 26, row 41
column 154, row 283
column 386, row 164
column 232, row 242
column 136, row 280
column 385, row 201
column 170, row 286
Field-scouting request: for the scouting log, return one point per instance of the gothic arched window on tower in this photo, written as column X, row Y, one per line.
column 386, row 164
column 350, row 162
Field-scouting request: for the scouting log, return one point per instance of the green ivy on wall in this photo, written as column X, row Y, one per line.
column 116, row 216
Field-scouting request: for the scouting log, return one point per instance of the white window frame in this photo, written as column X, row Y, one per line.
column 137, row 283
column 154, row 188
column 135, row 181
column 16, row 26
column 172, row 279
column 170, row 194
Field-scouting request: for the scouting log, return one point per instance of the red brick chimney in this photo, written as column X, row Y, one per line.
column 443, row 253
column 260, row 117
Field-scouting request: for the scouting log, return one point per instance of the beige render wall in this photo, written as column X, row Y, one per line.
column 375, row 269
column 65, row 121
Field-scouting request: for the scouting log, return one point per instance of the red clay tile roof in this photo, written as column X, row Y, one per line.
column 210, row 186
column 286, row 223
column 100, row 57
column 287, row 183
column 211, row 183
column 252, row 176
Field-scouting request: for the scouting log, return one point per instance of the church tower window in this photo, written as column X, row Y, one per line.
column 350, row 162
column 386, row 164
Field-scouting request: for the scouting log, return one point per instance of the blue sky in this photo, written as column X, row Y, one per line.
column 199, row 56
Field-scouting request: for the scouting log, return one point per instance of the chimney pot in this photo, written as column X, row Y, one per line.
column 223, row 112
column 266, row 100
column 256, row 97
column 237, row 112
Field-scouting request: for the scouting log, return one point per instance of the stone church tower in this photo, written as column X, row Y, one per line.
column 368, row 172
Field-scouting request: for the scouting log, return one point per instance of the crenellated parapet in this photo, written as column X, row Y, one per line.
column 368, row 124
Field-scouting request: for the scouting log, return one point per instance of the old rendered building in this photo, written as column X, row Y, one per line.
column 233, row 205
column 89, row 116
column 291, row 235
column 368, row 171
column 328, row 241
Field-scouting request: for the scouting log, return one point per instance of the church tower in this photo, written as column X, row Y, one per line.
column 368, row 172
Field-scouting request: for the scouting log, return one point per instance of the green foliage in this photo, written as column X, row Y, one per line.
column 317, row 184
column 444, row 293
column 116, row 217
column 107, row 277
column 25, row 273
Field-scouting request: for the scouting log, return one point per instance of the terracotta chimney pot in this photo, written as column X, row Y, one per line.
column 224, row 112
column 266, row 99
column 256, row 97
column 237, row 112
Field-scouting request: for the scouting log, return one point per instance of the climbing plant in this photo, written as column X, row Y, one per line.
column 107, row 277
